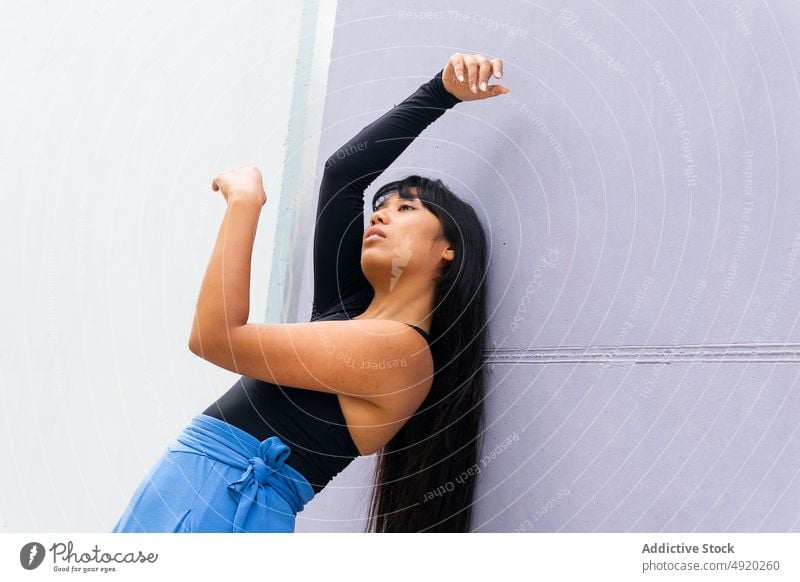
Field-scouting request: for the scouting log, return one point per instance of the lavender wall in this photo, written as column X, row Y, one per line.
column 639, row 183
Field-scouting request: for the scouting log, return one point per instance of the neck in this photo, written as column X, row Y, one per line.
column 409, row 304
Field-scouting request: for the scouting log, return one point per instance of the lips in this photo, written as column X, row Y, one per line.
column 373, row 230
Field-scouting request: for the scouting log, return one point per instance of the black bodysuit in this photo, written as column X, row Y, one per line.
column 310, row 422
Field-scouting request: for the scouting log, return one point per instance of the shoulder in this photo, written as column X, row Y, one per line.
column 379, row 344
column 401, row 358
column 383, row 361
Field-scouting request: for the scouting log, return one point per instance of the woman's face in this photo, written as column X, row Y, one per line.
column 411, row 243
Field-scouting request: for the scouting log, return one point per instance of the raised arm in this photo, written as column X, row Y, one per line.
column 348, row 173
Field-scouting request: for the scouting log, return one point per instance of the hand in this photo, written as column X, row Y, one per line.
column 466, row 76
column 241, row 183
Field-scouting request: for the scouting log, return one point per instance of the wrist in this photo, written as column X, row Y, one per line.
column 448, row 98
column 247, row 201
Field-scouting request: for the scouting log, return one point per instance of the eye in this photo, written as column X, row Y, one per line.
column 406, row 206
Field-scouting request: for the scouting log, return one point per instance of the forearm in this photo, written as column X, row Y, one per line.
column 377, row 145
column 224, row 300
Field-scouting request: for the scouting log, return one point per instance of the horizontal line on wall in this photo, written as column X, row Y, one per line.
column 731, row 353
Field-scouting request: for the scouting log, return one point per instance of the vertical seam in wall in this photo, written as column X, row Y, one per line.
column 285, row 276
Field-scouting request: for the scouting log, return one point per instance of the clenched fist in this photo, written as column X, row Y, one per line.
column 241, row 183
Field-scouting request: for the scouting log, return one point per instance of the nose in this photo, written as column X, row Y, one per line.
column 377, row 216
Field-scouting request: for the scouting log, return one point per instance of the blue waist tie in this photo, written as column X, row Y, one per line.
column 262, row 465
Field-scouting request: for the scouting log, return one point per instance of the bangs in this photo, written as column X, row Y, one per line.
column 403, row 188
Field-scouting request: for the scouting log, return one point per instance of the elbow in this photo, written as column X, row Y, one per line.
column 196, row 347
column 327, row 169
column 193, row 337
column 336, row 164
column 206, row 350
column 195, row 344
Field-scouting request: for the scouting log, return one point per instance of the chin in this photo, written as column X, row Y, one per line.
column 376, row 264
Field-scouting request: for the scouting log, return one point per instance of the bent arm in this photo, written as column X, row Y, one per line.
column 223, row 303
column 348, row 173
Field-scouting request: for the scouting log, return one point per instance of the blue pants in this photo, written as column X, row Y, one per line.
column 218, row 478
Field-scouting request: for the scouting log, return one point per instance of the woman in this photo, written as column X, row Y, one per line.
column 390, row 362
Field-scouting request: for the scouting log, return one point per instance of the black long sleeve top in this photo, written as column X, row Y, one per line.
column 310, row 422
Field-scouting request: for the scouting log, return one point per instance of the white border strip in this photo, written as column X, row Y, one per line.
column 295, row 225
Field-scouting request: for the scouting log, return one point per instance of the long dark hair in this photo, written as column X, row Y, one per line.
column 425, row 477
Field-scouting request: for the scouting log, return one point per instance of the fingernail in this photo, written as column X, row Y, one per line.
column 498, row 75
column 461, row 78
column 474, row 88
column 483, row 86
